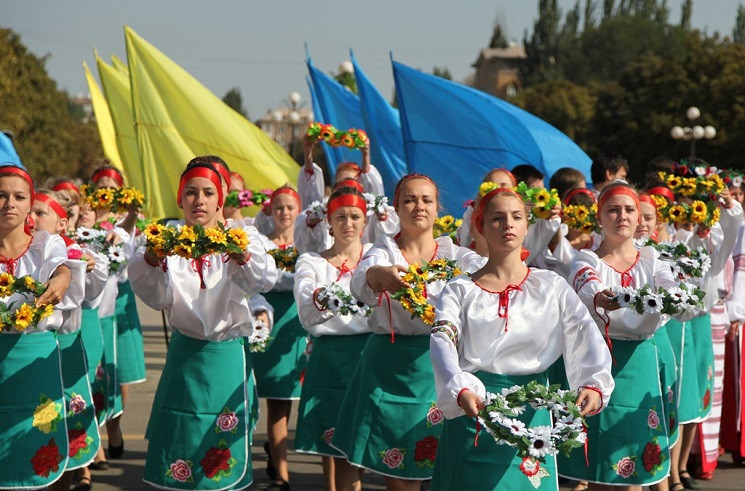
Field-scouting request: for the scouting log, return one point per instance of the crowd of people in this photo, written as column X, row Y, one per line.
column 607, row 321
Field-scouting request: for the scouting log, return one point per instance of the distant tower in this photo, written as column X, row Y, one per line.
column 498, row 70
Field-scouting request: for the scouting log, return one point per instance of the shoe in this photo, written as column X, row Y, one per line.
column 280, row 486
column 83, row 484
column 101, row 465
column 677, row 486
column 687, row 481
column 116, row 452
column 271, row 471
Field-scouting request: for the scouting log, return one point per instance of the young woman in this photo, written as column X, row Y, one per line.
column 199, row 429
column 34, row 446
column 88, row 277
column 506, row 325
column 279, row 368
column 337, row 339
column 384, row 416
column 628, row 442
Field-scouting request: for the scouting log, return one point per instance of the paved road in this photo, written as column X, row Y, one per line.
column 306, row 472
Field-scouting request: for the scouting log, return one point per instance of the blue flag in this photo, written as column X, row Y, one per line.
column 456, row 134
column 338, row 106
column 383, row 126
column 8, row 154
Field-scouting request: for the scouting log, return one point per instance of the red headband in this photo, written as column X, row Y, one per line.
column 346, row 200
column 236, row 176
column 349, row 166
column 286, row 190
column 478, row 217
column 352, row 183
column 11, row 169
column 645, row 198
column 66, row 185
column 510, row 174
column 574, row 192
column 662, row 191
column 52, row 203
column 409, row 177
column 207, row 173
column 224, row 173
column 114, row 174
column 616, row 190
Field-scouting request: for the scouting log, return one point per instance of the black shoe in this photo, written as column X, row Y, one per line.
column 83, row 484
column 101, row 465
column 687, row 481
column 280, row 486
column 116, row 452
column 271, row 471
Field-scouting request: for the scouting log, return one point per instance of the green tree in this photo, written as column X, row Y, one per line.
column 542, row 48
column 590, row 6
column 48, row 139
column 738, row 32
column 346, row 79
column 498, row 39
column 234, row 99
column 442, row 72
column 686, row 10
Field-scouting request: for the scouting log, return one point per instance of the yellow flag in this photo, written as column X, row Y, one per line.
column 103, row 120
column 119, row 65
column 177, row 119
column 116, row 87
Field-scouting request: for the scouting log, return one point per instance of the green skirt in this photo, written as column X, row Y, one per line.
column 130, row 350
column 668, row 383
column 388, row 422
column 82, row 429
column 489, row 466
column 113, row 391
column 329, row 374
column 704, row 352
column 33, row 434
column 627, row 441
column 199, row 427
column 681, row 341
column 279, row 369
column 90, row 332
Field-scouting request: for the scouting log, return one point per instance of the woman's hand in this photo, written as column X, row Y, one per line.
column 90, row 263
column 726, row 197
column 365, row 151
column 605, row 300
column 471, row 403
column 733, row 328
column 241, row 258
column 151, row 258
column 386, row 278
column 589, row 401
column 56, row 287
column 113, row 238
column 308, row 144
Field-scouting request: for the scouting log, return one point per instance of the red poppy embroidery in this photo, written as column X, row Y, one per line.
column 425, row 451
column 707, row 398
column 77, row 440
column 215, row 460
column 47, row 459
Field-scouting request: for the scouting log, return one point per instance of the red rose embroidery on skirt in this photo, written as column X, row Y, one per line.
column 652, row 456
column 707, row 398
column 425, row 450
column 77, row 441
column 215, row 460
column 47, row 459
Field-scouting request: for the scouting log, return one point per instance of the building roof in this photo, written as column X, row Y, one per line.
column 516, row 51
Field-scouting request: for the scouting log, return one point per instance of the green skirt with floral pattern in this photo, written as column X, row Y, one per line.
column 200, row 423
column 627, row 441
column 130, row 349
column 461, row 464
column 388, row 422
column 703, row 348
column 82, row 429
column 114, row 406
column 681, row 341
column 280, row 368
column 668, row 382
column 329, row 374
column 33, row 433
column 90, row 332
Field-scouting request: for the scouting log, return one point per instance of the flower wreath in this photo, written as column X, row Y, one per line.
column 533, row 444
column 414, row 299
column 285, row 257
column 194, row 242
column 341, row 302
column 581, row 217
column 352, row 138
column 247, row 198
column 697, row 186
column 731, row 177
column 670, row 301
column 446, row 225
column 699, row 212
column 117, row 199
column 21, row 316
column 683, row 261
column 259, row 338
column 96, row 237
column 540, row 199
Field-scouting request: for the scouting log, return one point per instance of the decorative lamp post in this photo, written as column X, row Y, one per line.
column 693, row 132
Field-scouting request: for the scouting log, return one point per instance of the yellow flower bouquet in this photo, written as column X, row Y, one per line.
column 117, row 199
column 285, row 257
column 27, row 314
column 414, row 299
column 540, row 199
column 581, row 218
column 193, row 242
column 446, row 225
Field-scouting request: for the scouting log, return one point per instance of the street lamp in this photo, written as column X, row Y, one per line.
column 293, row 102
column 693, row 132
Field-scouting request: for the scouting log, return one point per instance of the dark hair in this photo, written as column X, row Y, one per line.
column 565, row 179
column 342, row 190
column 603, row 164
column 526, row 172
column 193, row 163
column 213, row 159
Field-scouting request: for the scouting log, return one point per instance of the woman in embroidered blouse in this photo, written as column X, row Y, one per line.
column 628, row 446
column 388, row 422
column 337, row 339
column 199, row 428
column 33, row 435
column 506, row 325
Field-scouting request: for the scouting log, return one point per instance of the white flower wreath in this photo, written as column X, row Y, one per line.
column 671, row 301
column 341, row 302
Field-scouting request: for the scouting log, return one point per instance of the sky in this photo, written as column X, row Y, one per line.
column 258, row 45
